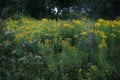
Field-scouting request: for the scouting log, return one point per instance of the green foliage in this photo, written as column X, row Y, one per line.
column 107, row 9
column 59, row 50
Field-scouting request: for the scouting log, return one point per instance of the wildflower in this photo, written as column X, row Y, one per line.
column 108, row 23
column 118, row 23
column 101, row 20
column 103, row 35
column 94, row 67
column 83, row 33
column 112, row 25
column 97, row 24
column 77, row 22
column 65, row 25
column 45, row 20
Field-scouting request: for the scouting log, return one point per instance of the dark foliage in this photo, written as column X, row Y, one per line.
column 108, row 9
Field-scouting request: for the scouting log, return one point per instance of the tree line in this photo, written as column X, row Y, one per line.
column 108, row 9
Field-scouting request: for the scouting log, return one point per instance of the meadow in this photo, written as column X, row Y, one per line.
column 47, row 49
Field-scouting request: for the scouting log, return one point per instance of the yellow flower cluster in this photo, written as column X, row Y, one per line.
column 77, row 22
column 83, row 33
column 65, row 25
column 107, row 23
column 29, row 29
column 102, row 34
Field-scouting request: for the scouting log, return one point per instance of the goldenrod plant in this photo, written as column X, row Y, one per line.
column 59, row 50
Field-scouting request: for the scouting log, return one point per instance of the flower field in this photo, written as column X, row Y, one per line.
column 59, row 50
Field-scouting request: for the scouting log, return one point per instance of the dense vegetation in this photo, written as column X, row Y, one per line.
column 108, row 9
column 59, row 50
column 59, row 39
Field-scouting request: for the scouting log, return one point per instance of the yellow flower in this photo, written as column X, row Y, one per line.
column 83, row 33
column 65, row 25
column 44, row 20
column 101, row 20
column 112, row 25
column 77, row 22
column 97, row 24
column 94, row 67
column 103, row 35
column 19, row 36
